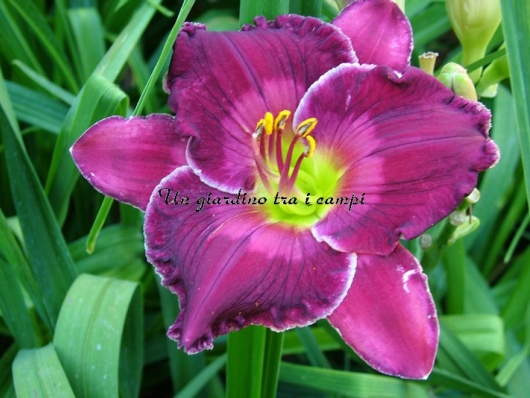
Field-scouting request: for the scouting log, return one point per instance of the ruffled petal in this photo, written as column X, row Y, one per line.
column 380, row 33
column 408, row 143
column 388, row 316
column 126, row 158
column 230, row 268
column 222, row 83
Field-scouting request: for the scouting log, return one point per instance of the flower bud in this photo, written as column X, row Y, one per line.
column 473, row 197
column 455, row 77
column 474, row 22
column 457, row 217
column 425, row 241
column 427, row 62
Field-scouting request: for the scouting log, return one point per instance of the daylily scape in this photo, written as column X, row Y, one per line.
column 298, row 108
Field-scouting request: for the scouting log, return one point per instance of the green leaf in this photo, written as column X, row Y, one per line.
column 46, row 84
column 482, row 334
column 497, row 183
column 99, row 337
column 199, row 381
column 39, row 373
column 454, row 260
column 13, row 308
column 349, row 384
column 516, row 27
column 14, row 45
column 47, row 252
column 249, row 9
column 444, row 378
column 245, row 362
column 7, row 388
column 454, row 357
column 183, row 367
column 89, row 41
column 119, row 247
column 44, row 34
column 271, row 362
column 429, row 24
column 304, row 7
column 35, row 108
column 313, row 351
column 11, row 252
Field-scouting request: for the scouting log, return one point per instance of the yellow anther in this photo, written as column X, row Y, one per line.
column 269, row 123
column 259, row 129
column 311, row 145
column 305, row 128
column 281, row 120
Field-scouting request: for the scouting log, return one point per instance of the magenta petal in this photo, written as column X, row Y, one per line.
column 380, row 33
column 405, row 141
column 222, row 83
column 230, row 268
column 126, row 158
column 388, row 316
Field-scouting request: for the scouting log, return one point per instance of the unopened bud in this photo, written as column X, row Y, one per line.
column 425, row 241
column 474, row 22
column 427, row 62
column 473, row 197
column 457, row 217
column 455, row 77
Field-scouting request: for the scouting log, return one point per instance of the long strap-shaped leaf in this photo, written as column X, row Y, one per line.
column 99, row 337
column 47, row 252
column 39, row 373
column 516, row 26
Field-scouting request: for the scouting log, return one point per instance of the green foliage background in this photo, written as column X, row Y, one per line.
column 93, row 325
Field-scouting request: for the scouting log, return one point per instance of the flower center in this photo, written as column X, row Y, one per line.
column 293, row 177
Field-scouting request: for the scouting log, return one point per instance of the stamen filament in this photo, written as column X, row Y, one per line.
column 288, row 185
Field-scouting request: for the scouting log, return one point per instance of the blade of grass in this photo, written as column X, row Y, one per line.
column 349, row 384
column 36, row 109
column 7, row 388
column 14, row 44
column 37, row 22
column 47, row 252
column 46, row 84
column 106, row 356
column 199, row 381
column 313, row 351
column 39, row 373
column 301, row 7
column 244, row 368
column 183, row 367
column 516, row 15
column 511, row 366
column 13, row 308
column 11, row 252
column 249, row 9
column 89, row 41
column 271, row 362
column 454, row 260
column 454, row 357
column 444, row 378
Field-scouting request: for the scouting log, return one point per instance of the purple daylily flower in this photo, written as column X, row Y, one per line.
column 297, row 108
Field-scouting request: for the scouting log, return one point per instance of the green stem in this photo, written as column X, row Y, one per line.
column 273, row 356
column 244, row 367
